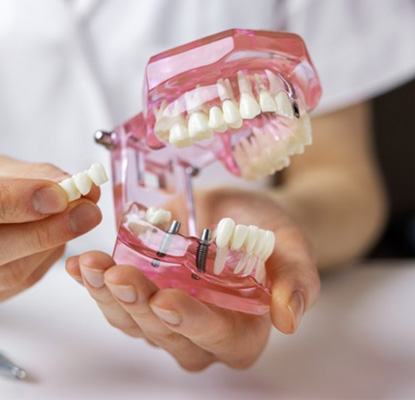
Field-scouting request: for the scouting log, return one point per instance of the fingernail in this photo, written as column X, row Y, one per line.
column 94, row 277
column 296, row 307
column 49, row 200
column 125, row 293
column 169, row 316
column 84, row 217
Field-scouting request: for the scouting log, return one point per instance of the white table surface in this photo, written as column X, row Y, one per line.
column 358, row 342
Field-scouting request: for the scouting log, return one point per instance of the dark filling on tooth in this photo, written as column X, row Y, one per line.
column 296, row 110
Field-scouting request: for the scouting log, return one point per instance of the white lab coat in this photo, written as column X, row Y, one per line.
column 70, row 67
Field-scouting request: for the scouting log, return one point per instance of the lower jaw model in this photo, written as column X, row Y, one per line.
column 240, row 98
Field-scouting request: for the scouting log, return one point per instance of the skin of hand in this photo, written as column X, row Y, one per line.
column 36, row 221
column 197, row 334
column 332, row 197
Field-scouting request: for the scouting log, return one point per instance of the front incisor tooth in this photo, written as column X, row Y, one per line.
column 97, row 174
column 239, row 235
column 179, row 135
column 284, row 106
column 266, row 102
column 224, row 231
column 248, row 106
column 216, row 121
column 83, row 182
column 68, row 185
column 231, row 114
column 198, row 126
column 251, row 238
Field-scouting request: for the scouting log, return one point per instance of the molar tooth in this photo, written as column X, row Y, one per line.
column 198, row 126
column 239, row 235
column 304, row 131
column 224, row 231
column 179, row 136
column 216, row 121
column 284, row 106
column 248, row 106
column 97, row 174
column 82, row 182
column 266, row 102
column 68, row 185
column 231, row 114
column 157, row 216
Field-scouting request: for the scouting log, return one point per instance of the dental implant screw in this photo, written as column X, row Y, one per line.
column 173, row 229
column 106, row 139
column 202, row 250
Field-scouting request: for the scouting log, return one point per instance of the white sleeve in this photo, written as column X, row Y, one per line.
column 360, row 48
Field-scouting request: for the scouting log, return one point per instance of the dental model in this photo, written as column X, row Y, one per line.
column 241, row 98
column 80, row 184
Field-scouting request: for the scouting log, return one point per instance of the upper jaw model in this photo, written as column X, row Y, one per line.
column 239, row 97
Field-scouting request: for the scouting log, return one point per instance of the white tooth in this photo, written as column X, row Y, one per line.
column 268, row 248
column 198, row 126
column 179, row 135
column 83, row 182
column 193, row 100
column 260, row 243
column 219, row 264
column 250, row 264
column 275, row 83
column 216, row 121
column 68, row 185
column 239, row 235
column 224, row 231
column 97, row 173
column 283, row 163
column 251, row 238
column 248, row 106
column 260, row 272
column 284, row 106
column 157, row 216
column 223, row 92
column 162, row 127
column 304, row 130
column 266, row 102
column 241, row 264
column 231, row 114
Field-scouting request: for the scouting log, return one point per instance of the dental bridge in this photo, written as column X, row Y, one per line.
column 241, row 98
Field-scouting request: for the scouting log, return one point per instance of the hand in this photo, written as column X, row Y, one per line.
column 36, row 221
column 194, row 333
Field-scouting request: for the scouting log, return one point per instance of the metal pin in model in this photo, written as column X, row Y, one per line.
column 202, row 250
column 165, row 243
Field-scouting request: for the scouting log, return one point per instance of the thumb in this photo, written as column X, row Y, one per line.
column 24, row 200
column 295, row 280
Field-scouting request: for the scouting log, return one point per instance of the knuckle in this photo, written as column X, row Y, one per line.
column 42, row 238
column 7, row 205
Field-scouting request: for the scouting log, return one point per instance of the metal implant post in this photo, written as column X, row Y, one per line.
column 10, row 369
column 107, row 139
column 165, row 243
column 202, row 250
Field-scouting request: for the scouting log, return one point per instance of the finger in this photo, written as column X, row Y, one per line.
column 72, row 267
column 13, row 274
column 35, row 276
column 92, row 266
column 21, row 240
column 236, row 339
column 23, row 200
column 94, row 194
column 133, row 291
column 295, row 280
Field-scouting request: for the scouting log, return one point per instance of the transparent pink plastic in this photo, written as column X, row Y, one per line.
column 149, row 172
